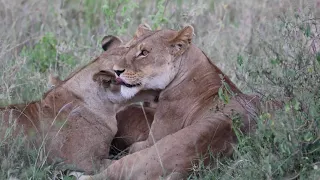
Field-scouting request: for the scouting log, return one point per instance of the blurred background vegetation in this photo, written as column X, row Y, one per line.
column 267, row 47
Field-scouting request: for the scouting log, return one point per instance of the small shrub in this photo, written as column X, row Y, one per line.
column 44, row 55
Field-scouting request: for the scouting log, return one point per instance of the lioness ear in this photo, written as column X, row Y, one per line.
column 53, row 80
column 182, row 40
column 142, row 29
column 110, row 42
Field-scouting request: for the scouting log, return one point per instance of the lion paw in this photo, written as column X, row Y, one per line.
column 138, row 146
column 80, row 176
column 85, row 177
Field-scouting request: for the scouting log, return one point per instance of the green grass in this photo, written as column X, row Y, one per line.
column 268, row 47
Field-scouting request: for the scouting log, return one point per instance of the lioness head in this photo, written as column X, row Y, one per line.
column 152, row 59
column 106, row 78
column 110, row 88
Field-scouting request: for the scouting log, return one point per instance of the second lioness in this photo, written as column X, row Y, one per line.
column 72, row 122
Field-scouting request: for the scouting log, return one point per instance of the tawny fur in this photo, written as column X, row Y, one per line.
column 190, row 120
column 74, row 122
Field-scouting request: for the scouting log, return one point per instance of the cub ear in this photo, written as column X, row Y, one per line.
column 109, row 42
column 53, row 80
column 142, row 29
column 182, row 40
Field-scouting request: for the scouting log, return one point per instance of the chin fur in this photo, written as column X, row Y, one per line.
column 111, row 96
column 128, row 93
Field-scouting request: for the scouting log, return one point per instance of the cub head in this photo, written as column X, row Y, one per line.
column 105, row 77
column 112, row 51
column 152, row 59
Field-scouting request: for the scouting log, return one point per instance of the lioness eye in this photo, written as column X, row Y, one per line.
column 144, row 53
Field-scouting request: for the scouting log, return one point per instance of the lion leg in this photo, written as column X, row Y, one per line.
column 84, row 140
column 134, row 122
column 174, row 153
column 243, row 105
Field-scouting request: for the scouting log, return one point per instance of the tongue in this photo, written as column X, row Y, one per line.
column 119, row 81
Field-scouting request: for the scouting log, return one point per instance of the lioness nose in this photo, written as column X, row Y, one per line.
column 118, row 72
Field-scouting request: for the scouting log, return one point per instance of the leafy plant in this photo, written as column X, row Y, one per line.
column 118, row 15
column 159, row 20
column 44, row 55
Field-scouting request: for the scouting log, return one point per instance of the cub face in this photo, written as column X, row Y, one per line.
column 151, row 59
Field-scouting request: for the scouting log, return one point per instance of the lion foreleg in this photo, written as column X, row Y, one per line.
column 174, row 153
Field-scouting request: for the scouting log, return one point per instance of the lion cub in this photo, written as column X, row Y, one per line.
column 73, row 123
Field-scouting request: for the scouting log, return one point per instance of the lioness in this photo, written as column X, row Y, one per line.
column 190, row 118
column 73, row 123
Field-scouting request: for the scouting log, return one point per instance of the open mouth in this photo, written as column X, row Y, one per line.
column 120, row 82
